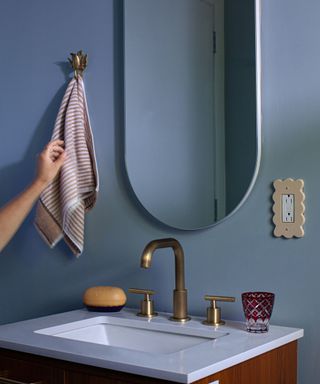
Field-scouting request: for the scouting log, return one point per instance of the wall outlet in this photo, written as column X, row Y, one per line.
column 288, row 208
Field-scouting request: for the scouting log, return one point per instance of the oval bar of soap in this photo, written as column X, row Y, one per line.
column 104, row 298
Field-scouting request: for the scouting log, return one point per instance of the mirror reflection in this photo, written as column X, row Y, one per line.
column 191, row 132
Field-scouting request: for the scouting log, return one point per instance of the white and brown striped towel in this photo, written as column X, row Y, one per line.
column 62, row 205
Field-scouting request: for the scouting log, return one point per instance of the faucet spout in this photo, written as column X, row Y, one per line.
column 180, row 292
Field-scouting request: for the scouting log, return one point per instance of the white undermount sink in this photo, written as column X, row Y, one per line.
column 134, row 334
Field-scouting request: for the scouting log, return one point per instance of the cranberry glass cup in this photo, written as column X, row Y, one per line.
column 257, row 307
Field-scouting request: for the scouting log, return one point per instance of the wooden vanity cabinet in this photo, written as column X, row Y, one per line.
column 24, row 368
column 278, row 366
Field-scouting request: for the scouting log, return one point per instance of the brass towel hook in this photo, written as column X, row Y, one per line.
column 79, row 62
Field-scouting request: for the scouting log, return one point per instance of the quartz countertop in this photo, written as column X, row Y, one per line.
column 183, row 366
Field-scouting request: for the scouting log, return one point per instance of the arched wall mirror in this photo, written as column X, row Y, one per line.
column 192, row 106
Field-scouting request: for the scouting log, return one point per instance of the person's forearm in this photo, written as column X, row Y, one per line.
column 15, row 211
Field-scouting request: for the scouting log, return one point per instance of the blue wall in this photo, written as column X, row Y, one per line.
column 237, row 255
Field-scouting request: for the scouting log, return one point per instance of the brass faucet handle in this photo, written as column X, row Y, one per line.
column 146, row 305
column 214, row 298
column 146, row 292
column 214, row 312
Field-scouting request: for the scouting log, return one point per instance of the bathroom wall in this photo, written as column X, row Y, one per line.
column 237, row 255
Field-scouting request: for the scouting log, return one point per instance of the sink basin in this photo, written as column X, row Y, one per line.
column 138, row 335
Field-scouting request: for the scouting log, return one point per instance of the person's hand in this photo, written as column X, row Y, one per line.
column 50, row 162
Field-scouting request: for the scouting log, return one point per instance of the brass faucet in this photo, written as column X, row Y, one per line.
column 180, row 311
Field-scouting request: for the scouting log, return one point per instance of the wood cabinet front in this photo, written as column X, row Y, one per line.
column 17, row 367
column 278, row 366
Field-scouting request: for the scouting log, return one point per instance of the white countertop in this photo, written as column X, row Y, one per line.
column 184, row 366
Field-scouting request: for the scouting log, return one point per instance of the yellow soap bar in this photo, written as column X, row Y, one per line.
column 104, row 298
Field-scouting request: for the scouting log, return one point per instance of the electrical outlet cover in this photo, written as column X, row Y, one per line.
column 288, row 208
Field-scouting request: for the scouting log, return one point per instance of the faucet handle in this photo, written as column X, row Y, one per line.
column 214, row 312
column 146, row 305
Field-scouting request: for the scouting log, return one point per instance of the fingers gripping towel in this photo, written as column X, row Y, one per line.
column 62, row 205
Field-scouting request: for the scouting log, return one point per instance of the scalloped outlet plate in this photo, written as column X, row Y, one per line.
column 288, row 208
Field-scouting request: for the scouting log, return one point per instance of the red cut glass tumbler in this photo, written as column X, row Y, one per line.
column 257, row 307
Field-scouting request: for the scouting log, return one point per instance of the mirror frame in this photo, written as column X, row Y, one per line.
column 257, row 4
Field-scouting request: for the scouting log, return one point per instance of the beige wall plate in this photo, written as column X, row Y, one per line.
column 288, row 208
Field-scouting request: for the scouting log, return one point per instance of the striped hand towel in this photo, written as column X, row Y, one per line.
column 62, row 205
